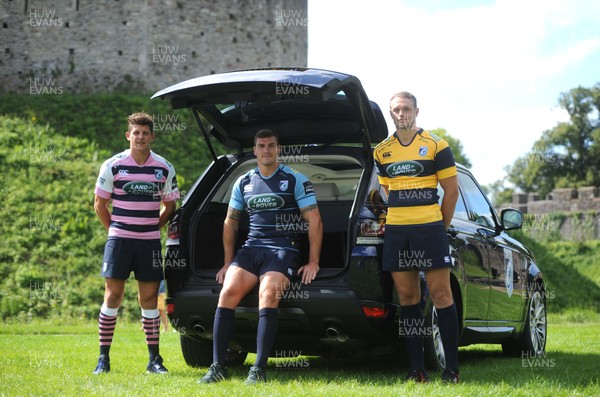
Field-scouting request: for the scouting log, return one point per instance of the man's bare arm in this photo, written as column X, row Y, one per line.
column 230, row 228
column 312, row 215
column 450, row 187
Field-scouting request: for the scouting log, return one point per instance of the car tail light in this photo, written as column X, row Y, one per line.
column 170, row 308
column 372, row 227
column 173, row 231
column 375, row 312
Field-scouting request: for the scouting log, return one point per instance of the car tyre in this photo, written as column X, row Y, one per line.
column 435, row 357
column 196, row 353
column 199, row 353
column 532, row 342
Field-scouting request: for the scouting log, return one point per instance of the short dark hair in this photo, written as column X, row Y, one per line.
column 407, row 95
column 140, row 118
column 266, row 133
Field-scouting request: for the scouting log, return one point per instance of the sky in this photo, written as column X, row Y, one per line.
column 490, row 72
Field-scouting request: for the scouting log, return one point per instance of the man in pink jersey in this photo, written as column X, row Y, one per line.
column 135, row 182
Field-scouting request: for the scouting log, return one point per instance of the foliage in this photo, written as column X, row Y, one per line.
column 456, row 146
column 567, row 155
column 52, row 242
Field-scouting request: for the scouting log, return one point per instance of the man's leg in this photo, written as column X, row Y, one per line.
column 238, row 282
column 411, row 317
column 147, row 297
column 107, row 320
column 438, row 281
column 272, row 286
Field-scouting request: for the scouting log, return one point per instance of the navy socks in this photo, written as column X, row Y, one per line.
column 222, row 331
column 265, row 336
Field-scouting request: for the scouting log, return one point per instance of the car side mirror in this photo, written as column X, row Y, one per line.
column 511, row 219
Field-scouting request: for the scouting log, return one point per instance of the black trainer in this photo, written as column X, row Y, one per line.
column 256, row 375
column 103, row 365
column 216, row 373
column 450, row 376
column 156, row 366
column 418, row 376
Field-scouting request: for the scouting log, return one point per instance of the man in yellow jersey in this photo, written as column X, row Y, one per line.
column 410, row 164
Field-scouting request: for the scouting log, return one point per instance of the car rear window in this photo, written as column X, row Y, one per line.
column 334, row 177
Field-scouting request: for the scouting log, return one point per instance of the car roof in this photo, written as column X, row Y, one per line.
column 303, row 105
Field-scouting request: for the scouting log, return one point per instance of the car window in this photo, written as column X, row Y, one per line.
column 460, row 211
column 334, row 177
column 479, row 208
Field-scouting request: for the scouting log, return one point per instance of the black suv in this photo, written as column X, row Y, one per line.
column 327, row 128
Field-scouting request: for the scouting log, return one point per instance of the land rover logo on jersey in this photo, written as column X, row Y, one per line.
column 283, row 185
column 265, row 201
column 141, row 188
column 158, row 174
column 404, row 168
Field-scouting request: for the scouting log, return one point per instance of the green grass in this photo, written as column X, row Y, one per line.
column 48, row 359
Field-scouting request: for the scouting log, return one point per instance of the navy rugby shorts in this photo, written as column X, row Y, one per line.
column 259, row 260
column 415, row 247
column 125, row 255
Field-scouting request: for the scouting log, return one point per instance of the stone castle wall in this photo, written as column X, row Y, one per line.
column 74, row 46
column 579, row 209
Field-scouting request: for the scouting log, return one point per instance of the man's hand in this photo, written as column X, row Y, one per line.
column 221, row 274
column 309, row 272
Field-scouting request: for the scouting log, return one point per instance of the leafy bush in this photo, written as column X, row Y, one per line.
column 51, row 148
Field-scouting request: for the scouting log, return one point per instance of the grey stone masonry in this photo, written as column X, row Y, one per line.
column 580, row 205
column 74, row 46
column 559, row 200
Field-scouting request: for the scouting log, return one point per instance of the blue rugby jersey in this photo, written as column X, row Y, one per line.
column 273, row 205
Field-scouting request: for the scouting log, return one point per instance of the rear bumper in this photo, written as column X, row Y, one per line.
column 312, row 320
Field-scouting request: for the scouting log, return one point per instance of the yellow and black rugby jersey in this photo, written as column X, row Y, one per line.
column 411, row 174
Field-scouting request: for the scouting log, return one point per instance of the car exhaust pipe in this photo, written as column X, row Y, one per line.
column 335, row 333
column 198, row 329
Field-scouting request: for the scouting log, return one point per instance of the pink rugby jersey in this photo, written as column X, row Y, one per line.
column 136, row 192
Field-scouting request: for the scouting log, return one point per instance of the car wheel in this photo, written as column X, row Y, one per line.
column 200, row 353
column 235, row 358
column 196, row 353
column 532, row 342
column 435, row 357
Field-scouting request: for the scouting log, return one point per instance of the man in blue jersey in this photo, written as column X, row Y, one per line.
column 272, row 194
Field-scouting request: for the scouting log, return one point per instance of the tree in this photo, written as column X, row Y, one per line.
column 567, row 155
column 455, row 145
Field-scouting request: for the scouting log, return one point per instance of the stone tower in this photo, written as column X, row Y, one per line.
column 75, row 46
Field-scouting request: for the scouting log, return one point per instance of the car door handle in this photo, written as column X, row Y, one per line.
column 452, row 231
